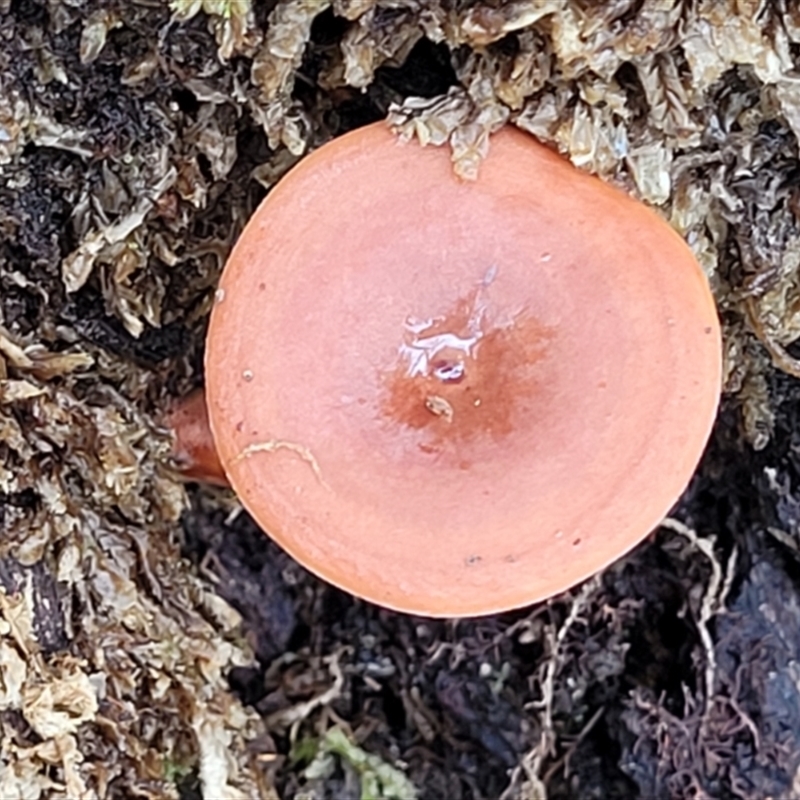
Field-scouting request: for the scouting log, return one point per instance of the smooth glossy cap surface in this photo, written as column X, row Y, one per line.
column 457, row 398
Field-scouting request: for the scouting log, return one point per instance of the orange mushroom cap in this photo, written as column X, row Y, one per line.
column 457, row 398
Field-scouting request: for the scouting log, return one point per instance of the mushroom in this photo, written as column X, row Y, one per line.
column 456, row 398
column 193, row 449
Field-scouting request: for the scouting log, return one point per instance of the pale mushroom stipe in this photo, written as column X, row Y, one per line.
column 454, row 398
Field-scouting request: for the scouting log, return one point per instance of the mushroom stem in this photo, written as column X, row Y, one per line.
column 193, row 450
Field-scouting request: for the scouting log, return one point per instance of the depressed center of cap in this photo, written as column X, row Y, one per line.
column 467, row 373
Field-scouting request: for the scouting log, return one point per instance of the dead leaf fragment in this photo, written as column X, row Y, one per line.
column 60, row 706
column 95, row 30
column 12, row 391
column 13, row 675
column 481, row 25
